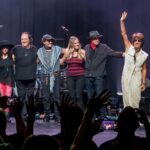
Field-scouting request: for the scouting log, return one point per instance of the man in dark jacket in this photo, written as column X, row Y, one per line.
column 95, row 65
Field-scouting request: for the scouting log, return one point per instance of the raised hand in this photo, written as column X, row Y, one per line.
column 66, row 103
column 141, row 115
column 17, row 106
column 84, row 130
column 102, row 99
column 123, row 16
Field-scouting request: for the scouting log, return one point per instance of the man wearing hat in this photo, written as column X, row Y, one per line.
column 48, row 56
column 96, row 58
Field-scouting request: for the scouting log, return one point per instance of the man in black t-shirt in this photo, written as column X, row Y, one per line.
column 25, row 56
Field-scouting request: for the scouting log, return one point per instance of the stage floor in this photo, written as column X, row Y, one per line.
column 52, row 128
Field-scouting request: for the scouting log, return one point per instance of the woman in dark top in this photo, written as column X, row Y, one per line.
column 6, row 69
column 74, row 57
column 6, row 73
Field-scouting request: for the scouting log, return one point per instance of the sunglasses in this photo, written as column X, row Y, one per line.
column 136, row 40
column 49, row 40
column 96, row 38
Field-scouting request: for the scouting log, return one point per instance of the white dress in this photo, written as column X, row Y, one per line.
column 132, row 77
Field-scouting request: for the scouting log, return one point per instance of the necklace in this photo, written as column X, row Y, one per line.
column 26, row 53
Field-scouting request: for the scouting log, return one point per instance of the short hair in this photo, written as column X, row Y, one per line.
column 29, row 36
column 139, row 36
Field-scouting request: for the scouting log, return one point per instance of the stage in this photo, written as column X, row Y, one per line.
column 52, row 128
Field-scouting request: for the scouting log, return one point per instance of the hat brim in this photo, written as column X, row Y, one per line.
column 52, row 39
column 97, row 36
column 10, row 46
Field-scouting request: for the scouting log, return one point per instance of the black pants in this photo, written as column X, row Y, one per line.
column 51, row 98
column 76, row 87
column 25, row 88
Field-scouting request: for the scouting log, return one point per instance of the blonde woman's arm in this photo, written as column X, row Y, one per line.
column 64, row 57
column 83, row 54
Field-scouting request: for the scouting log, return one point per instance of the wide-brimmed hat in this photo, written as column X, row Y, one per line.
column 5, row 43
column 94, row 34
column 48, row 37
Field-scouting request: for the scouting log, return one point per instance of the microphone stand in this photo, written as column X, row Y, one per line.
column 67, row 34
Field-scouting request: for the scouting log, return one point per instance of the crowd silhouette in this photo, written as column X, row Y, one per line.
column 77, row 127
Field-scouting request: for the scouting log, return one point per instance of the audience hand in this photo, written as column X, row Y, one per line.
column 17, row 106
column 97, row 102
column 31, row 110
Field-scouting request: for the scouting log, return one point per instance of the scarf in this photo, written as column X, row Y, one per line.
column 93, row 46
column 56, row 50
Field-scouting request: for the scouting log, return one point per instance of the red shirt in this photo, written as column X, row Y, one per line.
column 76, row 66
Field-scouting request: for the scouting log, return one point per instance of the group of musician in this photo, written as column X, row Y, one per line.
column 85, row 68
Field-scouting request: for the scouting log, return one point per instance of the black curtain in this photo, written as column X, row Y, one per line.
column 80, row 16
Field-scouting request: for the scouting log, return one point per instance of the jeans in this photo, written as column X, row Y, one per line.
column 51, row 98
column 75, row 87
column 94, row 86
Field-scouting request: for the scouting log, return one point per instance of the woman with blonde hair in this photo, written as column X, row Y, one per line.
column 74, row 57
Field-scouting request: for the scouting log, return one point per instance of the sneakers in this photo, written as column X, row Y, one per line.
column 39, row 116
column 52, row 116
column 42, row 116
column 47, row 118
column 7, row 113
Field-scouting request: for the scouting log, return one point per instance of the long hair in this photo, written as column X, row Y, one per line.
column 9, row 53
column 71, row 48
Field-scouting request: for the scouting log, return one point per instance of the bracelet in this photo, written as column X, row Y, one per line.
column 64, row 58
column 143, row 82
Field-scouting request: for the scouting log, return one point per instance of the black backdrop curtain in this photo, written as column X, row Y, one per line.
column 79, row 16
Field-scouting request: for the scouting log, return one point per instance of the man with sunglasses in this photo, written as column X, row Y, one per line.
column 134, row 71
column 48, row 56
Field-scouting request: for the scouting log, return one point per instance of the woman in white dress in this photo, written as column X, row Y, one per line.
column 134, row 70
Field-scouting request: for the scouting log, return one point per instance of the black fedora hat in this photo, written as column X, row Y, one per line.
column 94, row 34
column 48, row 37
column 5, row 43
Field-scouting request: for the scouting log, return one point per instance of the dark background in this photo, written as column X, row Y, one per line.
column 79, row 16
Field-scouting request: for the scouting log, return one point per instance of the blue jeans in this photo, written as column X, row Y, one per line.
column 94, row 86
